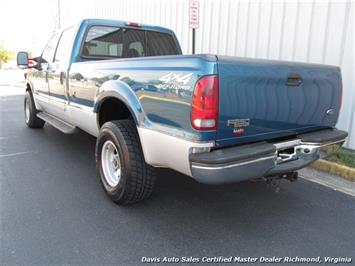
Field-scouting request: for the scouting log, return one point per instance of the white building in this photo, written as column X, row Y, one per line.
column 306, row 31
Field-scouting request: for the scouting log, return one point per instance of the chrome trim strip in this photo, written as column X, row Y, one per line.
column 232, row 165
column 287, row 144
column 296, row 144
column 322, row 145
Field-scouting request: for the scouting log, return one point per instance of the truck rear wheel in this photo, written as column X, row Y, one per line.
column 32, row 121
column 123, row 171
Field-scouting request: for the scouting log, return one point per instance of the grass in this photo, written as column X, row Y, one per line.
column 343, row 156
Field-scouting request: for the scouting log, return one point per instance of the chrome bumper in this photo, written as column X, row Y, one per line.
column 273, row 159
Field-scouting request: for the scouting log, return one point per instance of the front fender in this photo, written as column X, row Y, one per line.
column 121, row 91
column 29, row 85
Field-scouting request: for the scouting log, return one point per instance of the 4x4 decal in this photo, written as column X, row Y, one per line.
column 176, row 81
column 178, row 77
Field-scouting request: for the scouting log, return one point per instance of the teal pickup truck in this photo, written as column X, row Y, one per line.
column 217, row 119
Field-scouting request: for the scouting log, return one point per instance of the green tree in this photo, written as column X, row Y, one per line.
column 5, row 55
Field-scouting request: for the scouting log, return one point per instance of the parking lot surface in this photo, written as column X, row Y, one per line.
column 54, row 211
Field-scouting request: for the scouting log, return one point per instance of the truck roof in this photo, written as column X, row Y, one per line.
column 83, row 25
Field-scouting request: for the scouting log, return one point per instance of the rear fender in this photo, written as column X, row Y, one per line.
column 121, row 91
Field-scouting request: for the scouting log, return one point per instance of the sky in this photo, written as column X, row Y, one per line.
column 27, row 25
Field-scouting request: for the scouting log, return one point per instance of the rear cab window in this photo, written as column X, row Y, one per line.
column 107, row 42
column 160, row 44
column 133, row 43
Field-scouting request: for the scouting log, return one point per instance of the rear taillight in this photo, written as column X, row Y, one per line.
column 204, row 108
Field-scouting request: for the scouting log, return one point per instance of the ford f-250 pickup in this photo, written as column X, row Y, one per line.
column 217, row 119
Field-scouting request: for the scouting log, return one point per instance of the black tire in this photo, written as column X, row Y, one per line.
column 32, row 121
column 137, row 179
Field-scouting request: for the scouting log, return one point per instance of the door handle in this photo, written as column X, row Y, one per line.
column 294, row 79
column 78, row 77
column 50, row 69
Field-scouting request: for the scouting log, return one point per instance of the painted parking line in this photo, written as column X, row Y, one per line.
column 13, row 154
column 327, row 180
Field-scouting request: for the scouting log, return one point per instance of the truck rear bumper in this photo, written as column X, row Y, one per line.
column 264, row 159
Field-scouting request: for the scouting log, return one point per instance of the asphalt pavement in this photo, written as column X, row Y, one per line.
column 54, row 211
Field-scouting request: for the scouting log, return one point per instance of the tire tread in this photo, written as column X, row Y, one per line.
column 141, row 181
column 34, row 121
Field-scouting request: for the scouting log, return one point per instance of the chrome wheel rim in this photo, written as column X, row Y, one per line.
column 111, row 164
column 27, row 110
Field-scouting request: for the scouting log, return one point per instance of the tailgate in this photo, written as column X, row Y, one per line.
column 263, row 99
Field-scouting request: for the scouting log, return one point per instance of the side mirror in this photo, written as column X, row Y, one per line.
column 22, row 59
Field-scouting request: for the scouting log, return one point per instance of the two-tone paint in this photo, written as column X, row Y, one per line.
column 256, row 97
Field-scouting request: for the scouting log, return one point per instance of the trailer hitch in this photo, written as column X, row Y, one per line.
column 274, row 181
column 292, row 177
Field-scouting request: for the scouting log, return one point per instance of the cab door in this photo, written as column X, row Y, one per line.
column 39, row 77
column 57, row 73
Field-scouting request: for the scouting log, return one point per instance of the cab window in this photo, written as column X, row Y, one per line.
column 64, row 45
column 133, row 43
column 115, row 42
column 159, row 43
column 49, row 50
column 103, row 42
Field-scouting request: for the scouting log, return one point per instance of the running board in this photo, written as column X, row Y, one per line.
column 57, row 123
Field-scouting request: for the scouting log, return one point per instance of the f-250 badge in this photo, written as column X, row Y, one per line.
column 238, row 125
column 243, row 122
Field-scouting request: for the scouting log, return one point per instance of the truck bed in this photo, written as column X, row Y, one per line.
column 258, row 99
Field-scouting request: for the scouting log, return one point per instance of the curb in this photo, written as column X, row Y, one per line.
column 335, row 169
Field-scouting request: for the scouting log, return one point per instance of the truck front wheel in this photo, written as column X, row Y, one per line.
column 32, row 121
column 123, row 171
